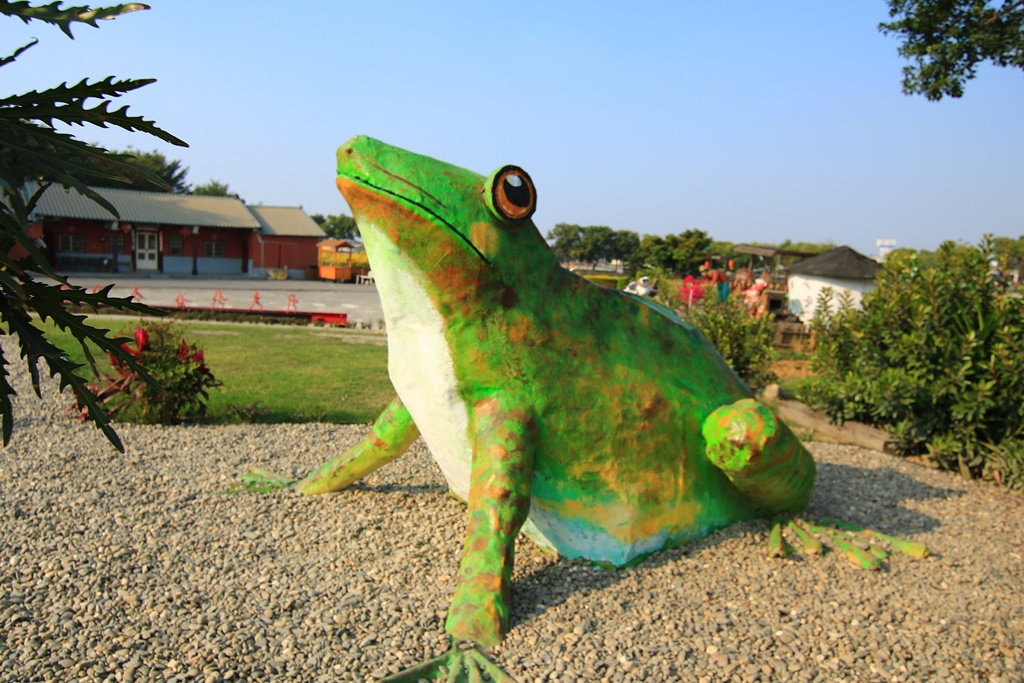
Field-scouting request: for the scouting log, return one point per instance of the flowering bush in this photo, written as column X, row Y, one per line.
column 179, row 367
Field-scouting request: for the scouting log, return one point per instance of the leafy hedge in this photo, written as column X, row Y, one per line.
column 613, row 281
column 936, row 357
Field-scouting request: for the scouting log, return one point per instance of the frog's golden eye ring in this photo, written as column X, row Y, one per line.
column 512, row 194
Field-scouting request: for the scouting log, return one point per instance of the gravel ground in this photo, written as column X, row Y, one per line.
column 138, row 567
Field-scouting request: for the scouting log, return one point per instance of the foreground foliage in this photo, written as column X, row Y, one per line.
column 936, row 358
column 33, row 154
column 947, row 39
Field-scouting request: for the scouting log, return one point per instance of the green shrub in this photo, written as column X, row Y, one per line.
column 935, row 357
column 745, row 342
column 178, row 367
column 1006, row 463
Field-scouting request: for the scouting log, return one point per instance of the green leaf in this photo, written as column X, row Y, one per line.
column 17, row 53
column 68, row 105
column 53, row 14
column 35, row 346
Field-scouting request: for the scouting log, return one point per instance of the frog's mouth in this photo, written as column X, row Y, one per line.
column 355, row 190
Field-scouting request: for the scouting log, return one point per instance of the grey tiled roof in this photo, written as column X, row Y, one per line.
column 155, row 208
column 841, row 262
column 290, row 221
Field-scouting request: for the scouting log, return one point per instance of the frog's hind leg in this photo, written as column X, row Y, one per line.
column 768, row 464
column 760, row 455
column 392, row 434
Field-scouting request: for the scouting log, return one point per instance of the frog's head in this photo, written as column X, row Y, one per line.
column 461, row 230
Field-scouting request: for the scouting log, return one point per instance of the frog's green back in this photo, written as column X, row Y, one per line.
column 621, row 390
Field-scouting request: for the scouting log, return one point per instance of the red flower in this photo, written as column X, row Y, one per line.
column 183, row 350
column 198, row 356
column 141, row 338
column 130, row 350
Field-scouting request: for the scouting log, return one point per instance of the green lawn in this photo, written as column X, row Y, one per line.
column 280, row 373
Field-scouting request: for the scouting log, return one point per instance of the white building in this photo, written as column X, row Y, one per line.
column 842, row 269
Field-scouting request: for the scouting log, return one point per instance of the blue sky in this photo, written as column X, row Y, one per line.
column 752, row 121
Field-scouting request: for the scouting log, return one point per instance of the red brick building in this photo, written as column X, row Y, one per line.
column 159, row 232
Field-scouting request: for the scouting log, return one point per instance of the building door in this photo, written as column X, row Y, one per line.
column 146, row 249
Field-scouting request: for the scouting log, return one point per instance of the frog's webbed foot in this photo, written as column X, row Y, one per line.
column 390, row 436
column 760, row 455
column 864, row 548
column 463, row 663
column 261, row 481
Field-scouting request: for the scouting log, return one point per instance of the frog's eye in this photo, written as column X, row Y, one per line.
column 512, row 194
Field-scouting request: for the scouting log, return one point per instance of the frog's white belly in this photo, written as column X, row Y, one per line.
column 420, row 363
column 423, row 374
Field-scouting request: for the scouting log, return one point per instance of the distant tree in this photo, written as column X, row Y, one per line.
column 721, row 253
column 947, row 39
column 340, row 227
column 565, row 239
column 626, row 248
column 596, row 244
column 679, row 254
column 921, row 258
column 164, row 175
column 1009, row 251
column 655, row 252
column 690, row 249
column 808, row 247
column 593, row 243
column 214, row 188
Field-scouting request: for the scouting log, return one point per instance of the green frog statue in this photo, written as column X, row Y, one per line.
column 596, row 422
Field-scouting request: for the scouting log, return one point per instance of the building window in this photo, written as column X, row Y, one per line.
column 214, row 249
column 74, row 244
column 117, row 242
column 175, row 246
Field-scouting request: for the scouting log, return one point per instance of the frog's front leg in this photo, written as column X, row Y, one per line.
column 759, row 455
column 392, row 434
column 499, row 502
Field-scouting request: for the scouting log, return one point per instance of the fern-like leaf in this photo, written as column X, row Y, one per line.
column 17, row 53
column 6, row 406
column 11, row 222
column 64, row 18
column 51, row 302
column 35, row 151
column 83, row 90
column 68, row 105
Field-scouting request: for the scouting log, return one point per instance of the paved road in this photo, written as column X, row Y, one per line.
column 360, row 301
